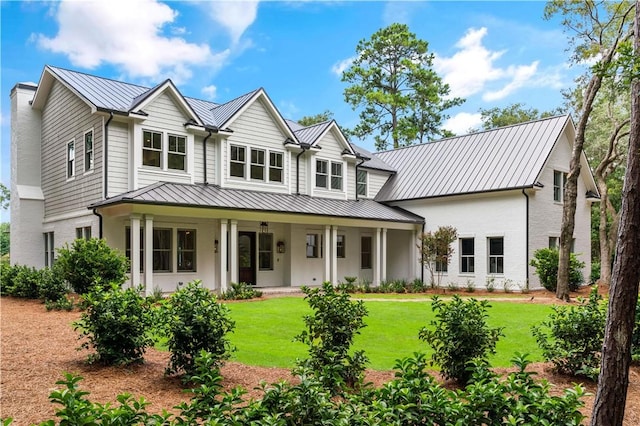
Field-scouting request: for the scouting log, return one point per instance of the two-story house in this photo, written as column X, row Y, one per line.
column 233, row 192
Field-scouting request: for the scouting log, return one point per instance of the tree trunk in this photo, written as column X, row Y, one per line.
column 609, row 405
column 604, row 236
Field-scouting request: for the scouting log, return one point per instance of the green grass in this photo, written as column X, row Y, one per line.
column 265, row 330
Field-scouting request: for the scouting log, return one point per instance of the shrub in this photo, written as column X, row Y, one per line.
column 470, row 286
column 572, row 336
column 491, row 284
column 336, row 320
column 88, row 262
column 25, row 283
column 7, row 274
column 546, row 263
column 240, row 291
column 195, row 321
column 52, row 285
column 117, row 324
column 62, row 304
column 460, row 336
column 595, row 272
column 416, row 286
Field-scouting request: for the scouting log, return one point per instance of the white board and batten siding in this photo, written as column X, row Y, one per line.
column 65, row 118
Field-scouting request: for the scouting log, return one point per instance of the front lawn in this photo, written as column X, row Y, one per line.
column 265, row 330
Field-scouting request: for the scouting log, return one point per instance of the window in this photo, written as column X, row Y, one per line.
column 162, row 250
column 71, row 159
column 186, row 250
column 336, row 176
column 237, row 160
column 83, row 233
column 257, row 164
column 559, row 181
column 127, row 246
column 321, row 174
column 88, row 151
column 496, row 255
column 49, row 254
column 177, row 153
column 365, row 252
column 441, row 265
column 275, row 167
column 467, row 249
column 340, row 246
column 265, row 252
column 554, row 242
column 151, row 148
column 361, row 182
column 314, row 246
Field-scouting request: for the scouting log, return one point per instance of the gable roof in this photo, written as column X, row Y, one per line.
column 372, row 161
column 213, row 196
column 510, row 157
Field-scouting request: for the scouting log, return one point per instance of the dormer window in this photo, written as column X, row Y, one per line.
column 237, row 160
column 177, row 152
column 329, row 175
column 321, row 173
column 336, row 176
column 257, row 164
column 151, row 148
column 275, row 167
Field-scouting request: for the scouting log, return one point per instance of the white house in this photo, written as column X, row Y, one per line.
column 234, row 192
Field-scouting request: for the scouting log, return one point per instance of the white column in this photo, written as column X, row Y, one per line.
column 233, row 248
column 328, row 253
column 148, row 254
column 134, row 237
column 334, row 254
column 224, row 260
column 383, row 256
column 376, row 257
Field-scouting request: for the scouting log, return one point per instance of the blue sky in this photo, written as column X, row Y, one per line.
column 491, row 53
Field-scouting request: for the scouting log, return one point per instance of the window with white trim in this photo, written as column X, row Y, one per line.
column 237, row 161
column 275, row 166
column 366, row 252
column 186, row 250
column 257, row 164
column 88, row 151
column 467, row 255
column 71, row 159
column 49, row 254
column 177, row 153
column 361, row 182
column 559, row 181
column 83, row 233
column 322, row 174
column 162, row 250
column 151, row 148
column 496, row 255
column 340, row 246
column 265, row 251
column 314, row 246
column 336, row 176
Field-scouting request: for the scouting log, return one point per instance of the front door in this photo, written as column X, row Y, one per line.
column 247, row 257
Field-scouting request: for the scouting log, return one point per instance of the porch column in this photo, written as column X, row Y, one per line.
column 233, row 248
column 334, row 254
column 148, row 254
column 328, row 255
column 383, row 256
column 224, row 260
column 134, row 237
column 376, row 257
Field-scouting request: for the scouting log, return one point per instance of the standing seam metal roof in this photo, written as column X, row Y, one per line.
column 505, row 158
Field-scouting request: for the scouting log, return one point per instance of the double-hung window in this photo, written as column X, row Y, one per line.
column 314, row 243
column 88, row 151
column 237, row 161
column 177, row 153
column 265, row 251
column 559, row 181
column 366, row 252
column 83, row 233
column 336, row 176
column 322, row 174
column 186, row 250
column 162, row 250
column 496, row 255
column 361, row 183
column 340, row 246
column 257, row 164
column 49, row 254
column 467, row 255
column 275, row 167
column 151, row 148
column 71, row 159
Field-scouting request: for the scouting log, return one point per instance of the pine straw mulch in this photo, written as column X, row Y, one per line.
column 38, row 346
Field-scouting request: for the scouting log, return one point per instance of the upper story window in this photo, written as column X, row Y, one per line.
column 71, row 159
column 254, row 166
column 336, row 176
column 361, row 183
column 151, row 148
column 257, row 164
column 321, row 173
column 275, row 167
column 237, row 160
column 88, row 151
column 467, row 255
column 177, row 153
column 559, row 181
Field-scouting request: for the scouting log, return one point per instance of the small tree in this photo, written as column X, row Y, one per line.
column 330, row 333
column 546, row 263
column 92, row 261
column 460, row 336
column 437, row 251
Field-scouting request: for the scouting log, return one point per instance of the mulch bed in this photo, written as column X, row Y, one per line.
column 38, row 346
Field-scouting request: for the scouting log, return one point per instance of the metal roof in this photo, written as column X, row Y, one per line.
column 505, row 158
column 373, row 162
column 213, row 196
column 310, row 134
column 222, row 113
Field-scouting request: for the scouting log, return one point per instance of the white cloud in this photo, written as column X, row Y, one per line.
column 235, row 16
column 210, row 91
column 96, row 32
column 462, row 122
column 339, row 67
column 521, row 76
column 288, row 109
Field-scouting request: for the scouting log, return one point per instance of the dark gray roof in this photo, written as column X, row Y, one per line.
column 374, row 162
column 310, row 134
column 222, row 113
column 505, row 158
column 293, row 125
column 212, row 196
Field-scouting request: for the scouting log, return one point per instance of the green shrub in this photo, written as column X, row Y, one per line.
column 460, row 336
column 90, row 262
column 195, row 321
column 572, row 336
column 52, row 285
column 336, row 320
column 635, row 338
column 62, row 304
column 25, row 283
column 240, row 291
column 417, row 286
column 7, row 274
column 117, row 324
column 546, row 263
column 595, row 272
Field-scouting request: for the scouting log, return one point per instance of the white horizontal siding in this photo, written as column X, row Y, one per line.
column 118, row 162
column 376, row 180
column 163, row 113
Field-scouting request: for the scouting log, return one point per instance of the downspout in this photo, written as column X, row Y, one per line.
column 362, row 160
column 204, row 156
column 95, row 211
column 526, row 238
column 422, row 251
column 304, row 147
column 105, row 151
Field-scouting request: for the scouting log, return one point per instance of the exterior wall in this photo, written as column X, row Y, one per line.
column 313, row 271
column 64, row 118
column 64, row 230
column 500, row 214
column 198, row 163
column 401, row 257
column 375, row 181
column 118, row 162
column 332, row 152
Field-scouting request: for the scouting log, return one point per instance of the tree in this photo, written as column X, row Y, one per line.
column 5, row 238
column 437, row 251
column 511, row 114
column 401, row 97
column 310, row 120
column 599, row 28
column 609, row 405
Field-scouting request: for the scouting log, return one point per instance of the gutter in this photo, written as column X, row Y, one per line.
column 526, row 238
column 305, row 147
column 422, row 251
column 95, row 211
column 105, row 150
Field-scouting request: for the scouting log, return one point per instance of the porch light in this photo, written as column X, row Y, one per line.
column 215, row 246
column 264, row 227
column 280, row 246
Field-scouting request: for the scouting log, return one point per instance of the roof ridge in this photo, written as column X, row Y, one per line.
column 312, row 125
column 252, row 92
column 97, row 76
